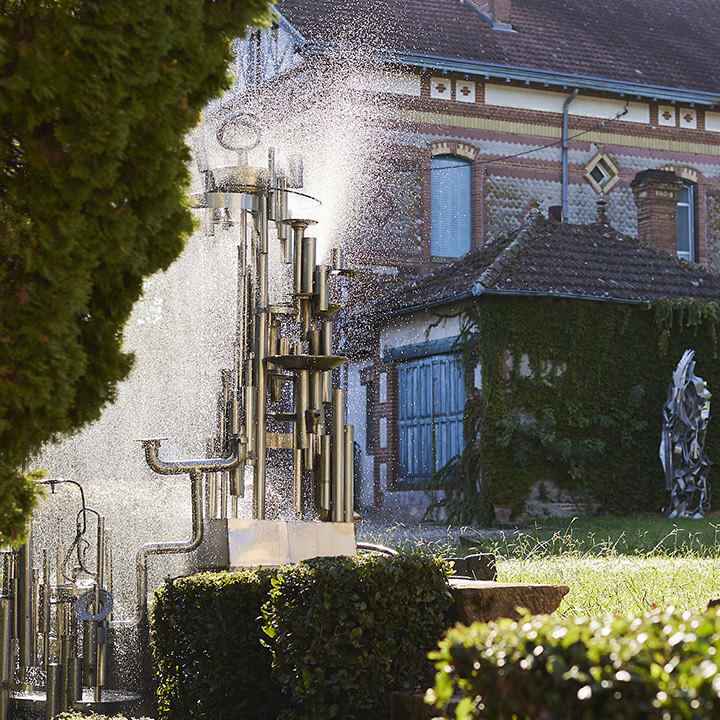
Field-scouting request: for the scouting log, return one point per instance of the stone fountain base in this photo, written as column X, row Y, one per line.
column 234, row 543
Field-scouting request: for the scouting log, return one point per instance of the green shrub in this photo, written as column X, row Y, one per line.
column 661, row 666
column 346, row 632
column 94, row 716
column 209, row 661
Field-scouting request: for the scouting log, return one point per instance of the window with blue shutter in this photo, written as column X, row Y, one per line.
column 686, row 222
column 431, row 403
column 450, row 217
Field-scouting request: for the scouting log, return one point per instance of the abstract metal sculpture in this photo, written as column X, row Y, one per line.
column 685, row 417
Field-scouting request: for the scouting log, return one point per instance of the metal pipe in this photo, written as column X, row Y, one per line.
column 297, row 482
column 309, row 245
column 325, row 476
column 298, row 232
column 52, row 693
column 169, row 547
column 321, row 288
column 26, row 633
column 338, row 455
column 261, row 352
column 46, row 588
column 349, row 474
column 564, row 145
column 101, row 628
column 301, row 388
column 327, row 332
column 5, row 657
column 185, row 467
column 260, row 420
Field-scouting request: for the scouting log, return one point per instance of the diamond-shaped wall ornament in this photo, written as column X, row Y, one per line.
column 688, row 118
column 602, row 173
column 666, row 115
column 440, row 87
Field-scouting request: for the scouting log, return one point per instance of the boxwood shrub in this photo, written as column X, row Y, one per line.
column 209, row 660
column 345, row 632
column 663, row 666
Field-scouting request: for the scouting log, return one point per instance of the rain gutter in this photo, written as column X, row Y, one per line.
column 564, row 144
column 530, row 75
column 479, row 290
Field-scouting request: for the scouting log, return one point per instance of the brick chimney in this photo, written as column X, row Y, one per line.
column 500, row 11
column 656, row 196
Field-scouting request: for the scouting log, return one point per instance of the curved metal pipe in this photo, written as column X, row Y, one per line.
column 170, row 548
column 566, row 109
column 374, row 547
column 162, row 467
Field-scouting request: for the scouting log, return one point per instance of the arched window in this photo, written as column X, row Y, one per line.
column 450, row 216
column 686, row 222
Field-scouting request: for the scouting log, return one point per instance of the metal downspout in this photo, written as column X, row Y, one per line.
column 566, row 108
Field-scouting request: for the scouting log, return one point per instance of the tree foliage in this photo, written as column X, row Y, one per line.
column 96, row 97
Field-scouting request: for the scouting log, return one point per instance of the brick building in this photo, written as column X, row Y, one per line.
column 493, row 110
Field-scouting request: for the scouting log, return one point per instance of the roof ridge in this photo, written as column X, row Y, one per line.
column 493, row 271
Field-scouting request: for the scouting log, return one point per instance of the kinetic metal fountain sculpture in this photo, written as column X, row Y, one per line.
column 54, row 624
column 277, row 402
column 685, row 417
column 282, row 376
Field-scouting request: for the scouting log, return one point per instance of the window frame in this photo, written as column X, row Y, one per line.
column 451, row 217
column 688, row 222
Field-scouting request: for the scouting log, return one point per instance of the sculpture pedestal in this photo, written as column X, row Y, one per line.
column 234, row 543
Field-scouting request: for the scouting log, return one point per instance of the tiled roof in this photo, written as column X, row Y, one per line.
column 559, row 259
column 663, row 43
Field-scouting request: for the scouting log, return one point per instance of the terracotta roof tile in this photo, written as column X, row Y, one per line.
column 652, row 42
column 548, row 258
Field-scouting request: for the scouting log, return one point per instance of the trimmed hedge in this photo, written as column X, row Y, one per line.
column 209, row 660
column 346, row 632
column 662, row 666
column 339, row 635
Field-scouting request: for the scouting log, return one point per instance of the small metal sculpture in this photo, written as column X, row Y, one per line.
column 685, row 417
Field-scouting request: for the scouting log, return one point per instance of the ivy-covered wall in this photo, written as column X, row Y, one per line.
column 573, row 394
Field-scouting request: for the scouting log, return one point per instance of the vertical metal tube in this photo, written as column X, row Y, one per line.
column 88, row 645
column 327, row 330
column 261, row 325
column 5, row 657
column 338, row 455
column 309, row 245
column 224, row 480
column 301, row 391
column 325, row 476
column 47, row 590
column 65, row 654
column 26, row 634
column 321, row 288
column 349, row 489
column 52, row 698
column 297, row 482
column 74, row 677
column 101, row 626
column 564, row 152
column 298, row 232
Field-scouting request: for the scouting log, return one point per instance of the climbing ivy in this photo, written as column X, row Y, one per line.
column 572, row 394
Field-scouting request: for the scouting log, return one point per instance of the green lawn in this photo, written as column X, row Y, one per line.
column 623, row 565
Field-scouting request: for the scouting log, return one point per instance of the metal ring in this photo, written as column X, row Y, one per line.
column 82, row 605
column 242, row 118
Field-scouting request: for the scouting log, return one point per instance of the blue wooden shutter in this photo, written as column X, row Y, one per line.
column 430, row 414
column 450, row 215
